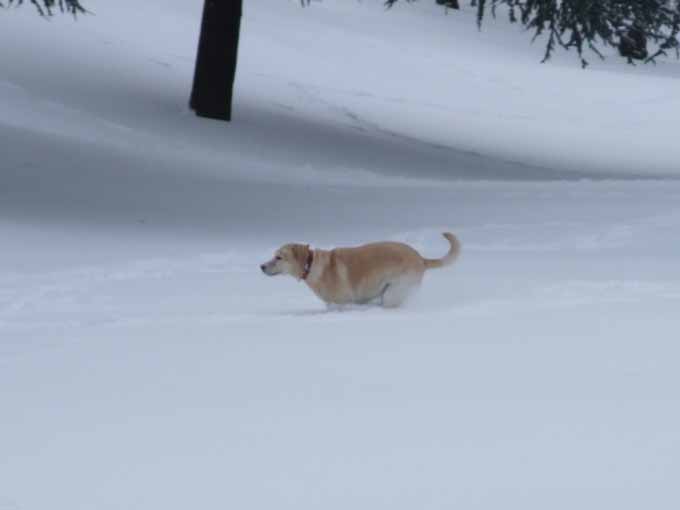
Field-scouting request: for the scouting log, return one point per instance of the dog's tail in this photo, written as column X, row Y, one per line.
column 447, row 259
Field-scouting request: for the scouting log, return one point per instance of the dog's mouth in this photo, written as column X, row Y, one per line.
column 269, row 271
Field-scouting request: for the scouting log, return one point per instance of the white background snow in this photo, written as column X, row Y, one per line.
column 145, row 362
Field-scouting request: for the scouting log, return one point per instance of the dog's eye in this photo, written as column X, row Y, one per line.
column 278, row 257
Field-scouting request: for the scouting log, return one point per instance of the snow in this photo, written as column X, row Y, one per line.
column 145, row 362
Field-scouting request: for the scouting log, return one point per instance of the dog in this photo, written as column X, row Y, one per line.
column 384, row 273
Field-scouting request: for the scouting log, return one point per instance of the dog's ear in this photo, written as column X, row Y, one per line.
column 300, row 252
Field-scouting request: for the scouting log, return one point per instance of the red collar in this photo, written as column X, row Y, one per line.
column 308, row 265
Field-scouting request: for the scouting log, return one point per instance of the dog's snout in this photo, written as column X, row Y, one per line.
column 263, row 267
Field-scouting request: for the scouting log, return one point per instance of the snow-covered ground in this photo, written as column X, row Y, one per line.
column 145, row 362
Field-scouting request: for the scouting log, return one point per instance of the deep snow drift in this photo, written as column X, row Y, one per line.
column 146, row 363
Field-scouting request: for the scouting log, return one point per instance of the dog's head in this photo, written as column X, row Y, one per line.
column 289, row 259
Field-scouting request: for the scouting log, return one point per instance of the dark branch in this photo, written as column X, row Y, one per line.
column 627, row 25
column 47, row 7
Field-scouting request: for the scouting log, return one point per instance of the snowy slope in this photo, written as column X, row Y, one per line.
column 146, row 363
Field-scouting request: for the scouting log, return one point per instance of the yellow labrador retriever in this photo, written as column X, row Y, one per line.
column 385, row 272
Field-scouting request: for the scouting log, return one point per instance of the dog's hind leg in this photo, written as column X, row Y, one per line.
column 381, row 297
column 396, row 292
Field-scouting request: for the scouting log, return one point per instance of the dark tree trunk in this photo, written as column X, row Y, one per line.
column 211, row 94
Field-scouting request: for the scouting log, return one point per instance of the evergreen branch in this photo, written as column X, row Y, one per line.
column 46, row 8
